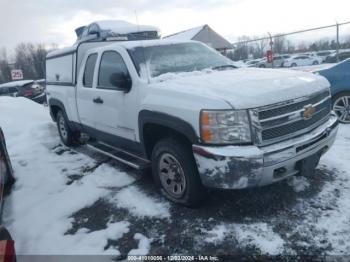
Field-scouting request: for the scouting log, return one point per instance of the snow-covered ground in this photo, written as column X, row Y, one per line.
column 74, row 201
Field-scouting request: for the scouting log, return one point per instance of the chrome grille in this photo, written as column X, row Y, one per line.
column 292, row 106
column 286, row 120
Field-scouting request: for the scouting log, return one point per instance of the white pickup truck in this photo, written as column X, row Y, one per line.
column 187, row 112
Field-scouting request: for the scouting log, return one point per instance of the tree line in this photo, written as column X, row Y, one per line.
column 28, row 57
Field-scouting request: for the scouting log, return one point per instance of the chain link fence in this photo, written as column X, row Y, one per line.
column 334, row 38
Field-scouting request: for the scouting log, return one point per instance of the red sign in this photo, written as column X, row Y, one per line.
column 16, row 74
column 269, row 56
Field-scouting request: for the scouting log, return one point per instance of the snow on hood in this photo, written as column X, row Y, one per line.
column 245, row 87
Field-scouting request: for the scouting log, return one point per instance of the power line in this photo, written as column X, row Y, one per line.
column 291, row 33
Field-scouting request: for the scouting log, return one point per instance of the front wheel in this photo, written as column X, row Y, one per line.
column 315, row 63
column 175, row 172
column 341, row 106
column 68, row 137
column 293, row 65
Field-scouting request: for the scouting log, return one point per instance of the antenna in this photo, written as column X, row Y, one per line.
column 143, row 50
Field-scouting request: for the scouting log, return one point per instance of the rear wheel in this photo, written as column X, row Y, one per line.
column 293, row 65
column 175, row 172
column 341, row 106
column 315, row 63
column 67, row 136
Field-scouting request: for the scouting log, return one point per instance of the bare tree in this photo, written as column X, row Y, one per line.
column 241, row 49
column 5, row 70
column 279, row 44
column 260, row 48
column 31, row 59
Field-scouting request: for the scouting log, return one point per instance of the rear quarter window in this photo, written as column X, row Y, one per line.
column 89, row 70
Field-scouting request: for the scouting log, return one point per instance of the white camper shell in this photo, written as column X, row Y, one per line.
column 61, row 64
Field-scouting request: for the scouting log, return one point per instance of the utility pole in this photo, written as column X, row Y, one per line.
column 338, row 44
column 271, row 48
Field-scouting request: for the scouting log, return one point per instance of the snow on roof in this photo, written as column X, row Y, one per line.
column 155, row 42
column 124, row 27
column 16, row 83
column 62, row 51
column 185, row 35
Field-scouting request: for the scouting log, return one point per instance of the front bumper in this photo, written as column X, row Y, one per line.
column 236, row 167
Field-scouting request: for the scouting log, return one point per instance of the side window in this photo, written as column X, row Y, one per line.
column 111, row 63
column 89, row 70
column 3, row 90
column 13, row 90
column 85, row 32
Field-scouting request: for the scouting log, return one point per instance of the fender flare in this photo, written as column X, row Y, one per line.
column 55, row 102
column 58, row 103
column 168, row 121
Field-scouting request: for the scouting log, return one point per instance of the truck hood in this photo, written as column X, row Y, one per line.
column 245, row 87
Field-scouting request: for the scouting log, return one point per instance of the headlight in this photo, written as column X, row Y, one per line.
column 225, row 127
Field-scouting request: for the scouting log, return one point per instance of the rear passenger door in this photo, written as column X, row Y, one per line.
column 86, row 93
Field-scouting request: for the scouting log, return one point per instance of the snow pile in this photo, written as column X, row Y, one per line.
column 335, row 221
column 92, row 243
column 139, row 204
column 38, row 211
column 298, row 183
column 259, row 235
column 124, row 27
column 143, row 247
column 217, row 234
column 17, row 83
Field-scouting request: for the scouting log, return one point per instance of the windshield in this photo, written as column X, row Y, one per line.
column 177, row 58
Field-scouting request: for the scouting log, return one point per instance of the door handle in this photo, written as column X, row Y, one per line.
column 98, row 100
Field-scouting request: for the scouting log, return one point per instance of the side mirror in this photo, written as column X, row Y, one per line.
column 121, row 81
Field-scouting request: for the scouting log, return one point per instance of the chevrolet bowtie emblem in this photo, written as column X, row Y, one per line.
column 309, row 111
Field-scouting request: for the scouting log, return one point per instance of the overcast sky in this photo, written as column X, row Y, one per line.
column 54, row 21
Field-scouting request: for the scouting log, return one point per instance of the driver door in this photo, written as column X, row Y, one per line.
column 113, row 106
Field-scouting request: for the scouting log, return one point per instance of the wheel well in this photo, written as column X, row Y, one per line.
column 340, row 93
column 54, row 110
column 152, row 133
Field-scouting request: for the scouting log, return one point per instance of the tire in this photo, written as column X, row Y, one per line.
column 262, row 66
column 293, row 65
column 182, row 185
column 315, row 62
column 4, row 234
column 341, row 106
column 68, row 137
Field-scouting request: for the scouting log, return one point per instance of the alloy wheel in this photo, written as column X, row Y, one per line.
column 342, row 108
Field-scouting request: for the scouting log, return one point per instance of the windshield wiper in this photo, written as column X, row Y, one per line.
column 223, row 67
